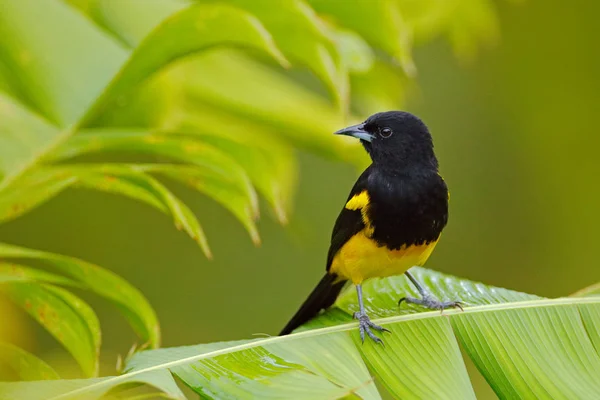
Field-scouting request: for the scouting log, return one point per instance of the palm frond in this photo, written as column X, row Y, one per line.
column 525, row 346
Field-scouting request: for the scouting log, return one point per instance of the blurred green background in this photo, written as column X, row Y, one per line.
column 515, row 130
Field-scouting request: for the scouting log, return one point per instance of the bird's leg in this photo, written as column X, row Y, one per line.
column 364, row 322
column 427, row 300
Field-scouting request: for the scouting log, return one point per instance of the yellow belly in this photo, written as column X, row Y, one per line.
column 360, row 258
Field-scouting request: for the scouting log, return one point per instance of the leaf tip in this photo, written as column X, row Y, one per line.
column 278, row 55
column 201, row 240
column 281, row 214
column 255, row 238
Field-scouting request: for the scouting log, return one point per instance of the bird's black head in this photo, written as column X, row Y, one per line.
column 395, row 140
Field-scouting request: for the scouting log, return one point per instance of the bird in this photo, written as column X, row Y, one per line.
column 391, row 220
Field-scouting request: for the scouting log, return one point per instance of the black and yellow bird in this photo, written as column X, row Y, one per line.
column 392, row 218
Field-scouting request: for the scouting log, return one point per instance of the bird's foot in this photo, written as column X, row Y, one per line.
column 365, row 325
column 431, row 302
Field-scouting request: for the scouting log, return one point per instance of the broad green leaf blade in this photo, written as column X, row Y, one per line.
column 591, row 321
column 533, row 352
column 189, row 31
column 49, row 73
column 25, row 365
column 382, row 295
column 380, row 22
column 44, row 390
column 130, row 301
column 24, row 136
column 382, row 298
column 420, row 360
column 307, row 369
column 335, row 357
column 65, row 317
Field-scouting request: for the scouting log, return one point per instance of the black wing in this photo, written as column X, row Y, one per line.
column 349, row 222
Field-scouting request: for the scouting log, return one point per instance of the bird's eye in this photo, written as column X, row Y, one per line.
column 385, row 132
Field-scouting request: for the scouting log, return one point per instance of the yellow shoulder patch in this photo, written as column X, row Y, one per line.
column 361, row 202
column 358, row 201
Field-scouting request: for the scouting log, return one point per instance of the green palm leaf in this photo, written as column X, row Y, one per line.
column 525, row 346
column 71, row 271
column 25, row 365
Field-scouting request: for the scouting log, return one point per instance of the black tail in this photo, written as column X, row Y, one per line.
column 321, row 297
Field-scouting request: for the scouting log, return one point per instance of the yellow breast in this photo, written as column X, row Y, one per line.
column 361, row 258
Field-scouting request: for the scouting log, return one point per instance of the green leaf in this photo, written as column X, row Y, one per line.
column 307, row 369
column 593, row 290
column 187, row 150
column 25, row 365
column 192, row 30
column 66, row 317
column 356, row 54
column 130, row 301
column 310, row 44
column 130, row 20
column 427, row 18
column 418, row 360
column 33, row 189
column 472, row 22
column 268, row 161
column 129, row 181
column 379, row 22
column 382, row 295
column 210, row 170
column 44, row 390
column 530, row 334
column 465, row 23
column 10, row 272
column 227, row 195
column 283, row 106
column 23, row 137
column 379, row 88
column 526, row 347
column 49, row 73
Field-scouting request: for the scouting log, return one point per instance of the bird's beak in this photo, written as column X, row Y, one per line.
column 358, row 131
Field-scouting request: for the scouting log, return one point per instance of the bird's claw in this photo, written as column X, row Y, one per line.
column 365, row 325
column 432, row 303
